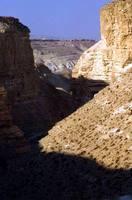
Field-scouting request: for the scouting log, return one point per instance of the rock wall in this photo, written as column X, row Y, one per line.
column 17, row 74
column 12, row 139
column 111, row 56
column 16, row 60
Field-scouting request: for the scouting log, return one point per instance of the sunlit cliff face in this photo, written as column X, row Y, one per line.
column 110, row 57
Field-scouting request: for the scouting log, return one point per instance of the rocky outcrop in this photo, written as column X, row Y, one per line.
column 16, row 60
column 111, row 56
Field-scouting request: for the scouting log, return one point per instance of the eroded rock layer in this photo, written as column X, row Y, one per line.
column 111, row 56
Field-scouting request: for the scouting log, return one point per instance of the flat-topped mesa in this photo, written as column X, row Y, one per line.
column 111, row 56
column 16, row 60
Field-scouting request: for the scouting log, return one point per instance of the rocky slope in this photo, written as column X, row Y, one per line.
column 98, row 124
column 85, row 156
column 101, row 130
column 111, row 56
column 59, row 55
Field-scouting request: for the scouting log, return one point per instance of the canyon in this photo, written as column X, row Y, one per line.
column 64, row 137
column 55, row 59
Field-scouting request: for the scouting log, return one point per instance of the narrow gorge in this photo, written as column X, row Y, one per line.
column 67, row 138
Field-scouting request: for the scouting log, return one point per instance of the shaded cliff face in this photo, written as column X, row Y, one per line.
column 12, row 139
column 16, row 60
column 111, row 56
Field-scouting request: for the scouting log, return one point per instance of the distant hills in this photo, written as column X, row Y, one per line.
column 57, row 54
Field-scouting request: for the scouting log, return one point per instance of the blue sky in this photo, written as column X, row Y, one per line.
column 65, row 19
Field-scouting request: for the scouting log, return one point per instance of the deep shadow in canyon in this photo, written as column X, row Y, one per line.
column 35, row 117
column 54, row 176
